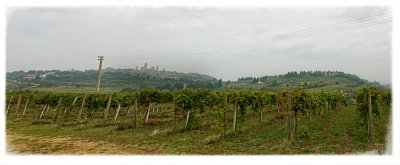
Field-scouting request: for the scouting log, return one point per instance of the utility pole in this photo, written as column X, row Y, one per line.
column 98, row 78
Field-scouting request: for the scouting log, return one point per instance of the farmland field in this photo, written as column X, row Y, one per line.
column 333, row 131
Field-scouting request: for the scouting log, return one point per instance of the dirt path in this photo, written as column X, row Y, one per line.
column 25, row 144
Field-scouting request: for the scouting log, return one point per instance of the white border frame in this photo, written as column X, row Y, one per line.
column 394, row 158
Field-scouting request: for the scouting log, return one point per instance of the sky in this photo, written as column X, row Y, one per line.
column 225, row 43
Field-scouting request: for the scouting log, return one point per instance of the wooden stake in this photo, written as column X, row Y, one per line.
column 41, row 114
column 279, row 108
column 73, row 103
column 129, row 110
column 76, row 98
column 57, row 109
column 234, row 117
column 295, row 125
column 34, row 111
column 147, row 114
column 187, row 118
column 134, row 124
column 18, row 105
column 309, row 118
column 108, row 107
column 9, row 105
column 82, row 107
column 116, row 114
column 175, row 111
column 225, row 111
column 26, row 106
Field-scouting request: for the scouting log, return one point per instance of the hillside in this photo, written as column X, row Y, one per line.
column 127, row 80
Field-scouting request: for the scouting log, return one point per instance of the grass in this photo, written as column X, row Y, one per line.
column 73, row 89
column 340, row 131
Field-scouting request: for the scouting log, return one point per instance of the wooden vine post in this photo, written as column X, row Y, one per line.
column 288, row 115
column 82, row 107
column 108, row 107
column 309, row 118
column 34, row 111
column 261, row 114
column 135, row 114
column 73, row 103
column 148, row 113
column 41, row 114
column 225, row 111
column 176, row 112
column 26, row 106
column 370, row 125
column 187, row 118
column 9, row 105
column 18, row 105
column 116, row 114
column 57, row 109
column 235, row 116
column 129, row 111
column 279, row 108
column 295, row 125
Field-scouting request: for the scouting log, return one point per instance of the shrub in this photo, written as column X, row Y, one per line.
column 212, row 139
column 124, row 126
column 37, row 122
column 304, row 133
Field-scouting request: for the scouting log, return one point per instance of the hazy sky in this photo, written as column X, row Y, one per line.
column 214, row 41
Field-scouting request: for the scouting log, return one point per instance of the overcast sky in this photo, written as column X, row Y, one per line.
column 202, row 40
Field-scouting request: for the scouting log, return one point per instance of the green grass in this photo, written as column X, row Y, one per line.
column 73, row 89
column 340, row 131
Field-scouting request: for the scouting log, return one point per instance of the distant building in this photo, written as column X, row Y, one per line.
column 145, row 66
column 46, row 74
column 157, row 68
column 29, row 76
column 136, row 68
column 152, row 68
column 66, row 75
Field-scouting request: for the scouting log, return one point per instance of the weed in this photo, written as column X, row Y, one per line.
column 124, row 126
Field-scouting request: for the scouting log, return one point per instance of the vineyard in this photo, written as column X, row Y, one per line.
column 151, row 121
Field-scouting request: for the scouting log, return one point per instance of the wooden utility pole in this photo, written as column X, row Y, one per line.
column 98, row 78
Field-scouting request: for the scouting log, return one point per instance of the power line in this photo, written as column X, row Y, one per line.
column 264, row 40
column 259, row 39
column 268, row 42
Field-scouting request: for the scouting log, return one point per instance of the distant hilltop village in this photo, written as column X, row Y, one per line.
column 155, row 74
column 144, row 68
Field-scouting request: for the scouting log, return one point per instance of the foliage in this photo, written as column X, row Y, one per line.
column 362, row 101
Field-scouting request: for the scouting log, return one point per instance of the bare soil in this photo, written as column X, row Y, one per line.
column 25, row 144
